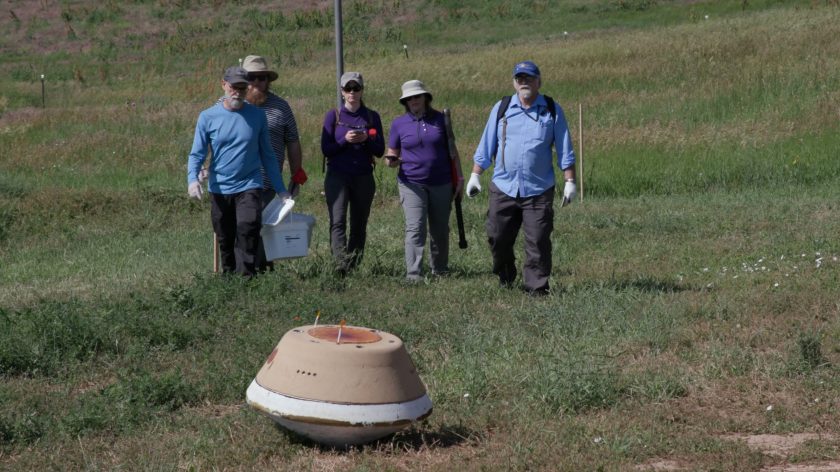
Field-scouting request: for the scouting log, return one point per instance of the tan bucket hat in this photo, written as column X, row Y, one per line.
column 412, row 88
column 258, row 65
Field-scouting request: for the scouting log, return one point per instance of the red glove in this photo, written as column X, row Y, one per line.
column 300, row 177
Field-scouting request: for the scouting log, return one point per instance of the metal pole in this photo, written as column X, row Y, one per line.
column 339, row 52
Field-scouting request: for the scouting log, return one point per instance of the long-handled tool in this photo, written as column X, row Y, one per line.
column 457, row 177
column 215, row 254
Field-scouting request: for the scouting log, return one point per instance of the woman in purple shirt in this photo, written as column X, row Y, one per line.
column 351, row 137
column 417, row 144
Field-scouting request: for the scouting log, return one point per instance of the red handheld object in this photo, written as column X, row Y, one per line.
column 372, row 133
column 300, row 177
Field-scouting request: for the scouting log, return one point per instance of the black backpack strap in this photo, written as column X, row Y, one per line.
column 500, row 116
column 503, row 106
column 552, row 108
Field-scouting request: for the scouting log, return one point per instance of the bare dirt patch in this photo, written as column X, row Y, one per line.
column 783, row 446
column 778, row 445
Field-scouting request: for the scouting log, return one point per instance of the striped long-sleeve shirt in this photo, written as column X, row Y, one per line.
column 282, row 129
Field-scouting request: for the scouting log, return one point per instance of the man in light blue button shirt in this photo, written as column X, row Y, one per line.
column 522, row 186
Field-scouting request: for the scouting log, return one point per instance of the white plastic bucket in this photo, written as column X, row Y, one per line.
column 289, row 238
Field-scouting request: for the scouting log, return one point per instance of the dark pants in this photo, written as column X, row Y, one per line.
column 263, row 264
column 237, row 219
column 504, row 218
column 356, row 192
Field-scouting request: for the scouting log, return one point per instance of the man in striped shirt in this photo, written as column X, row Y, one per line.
column 282, row 131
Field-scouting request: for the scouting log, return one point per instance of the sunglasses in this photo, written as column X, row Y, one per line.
column 353, row 88
column 258, row 78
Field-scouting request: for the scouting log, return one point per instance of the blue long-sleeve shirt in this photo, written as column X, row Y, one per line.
column 351, row 158
column 240, row 145
column 525, row 167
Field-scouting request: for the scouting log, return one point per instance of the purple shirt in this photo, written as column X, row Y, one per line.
column 350, row 158
column 423, row 148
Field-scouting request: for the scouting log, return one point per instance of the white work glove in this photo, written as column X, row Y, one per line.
column 569, row 192
column 473, row 186
column 195, row 190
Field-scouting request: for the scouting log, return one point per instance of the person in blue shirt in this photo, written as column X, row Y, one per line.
column 522, row 186
column 236, row 133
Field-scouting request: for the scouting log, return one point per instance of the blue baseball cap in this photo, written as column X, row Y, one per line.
column 527, row 68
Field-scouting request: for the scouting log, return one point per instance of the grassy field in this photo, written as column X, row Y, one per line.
column 695, row 321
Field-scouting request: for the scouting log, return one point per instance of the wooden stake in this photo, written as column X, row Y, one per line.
column 580, row 146
column 215, row 254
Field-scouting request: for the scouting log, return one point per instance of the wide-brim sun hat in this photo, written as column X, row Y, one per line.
column 412, row 88
column 257, row 65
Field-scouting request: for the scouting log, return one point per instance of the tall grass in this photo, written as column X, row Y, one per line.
column 695, row 285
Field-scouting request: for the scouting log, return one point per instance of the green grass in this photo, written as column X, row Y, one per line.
column 695, row 286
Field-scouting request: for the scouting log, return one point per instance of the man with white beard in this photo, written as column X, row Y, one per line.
column 237, row 135
column 282, row 132
column 519, row 133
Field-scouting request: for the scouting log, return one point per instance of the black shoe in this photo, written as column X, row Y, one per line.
column 539, row 292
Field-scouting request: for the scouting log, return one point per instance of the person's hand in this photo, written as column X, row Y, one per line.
column 569, row 192
column 300, row 177
column 392, row 161
column 284, row 196
column 202, row 175
column 473, row 186
column 195, row 190
column 355, row 136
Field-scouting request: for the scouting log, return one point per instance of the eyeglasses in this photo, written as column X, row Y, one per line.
column 239, row 88
column 258, row 78
column 524, row 78
column 352, row 88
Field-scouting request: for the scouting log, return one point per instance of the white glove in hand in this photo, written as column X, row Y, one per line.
column 195, row 190
column 473, row 186
column 569, row 192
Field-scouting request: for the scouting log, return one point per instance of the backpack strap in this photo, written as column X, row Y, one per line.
column 500, row 116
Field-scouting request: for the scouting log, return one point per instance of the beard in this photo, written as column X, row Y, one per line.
column 256, row 96
column 526, row 93
column 235, row 103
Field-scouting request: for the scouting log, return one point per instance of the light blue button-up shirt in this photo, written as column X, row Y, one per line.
column 524, row 168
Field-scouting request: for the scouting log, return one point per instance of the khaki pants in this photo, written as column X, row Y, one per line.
column 422, row 203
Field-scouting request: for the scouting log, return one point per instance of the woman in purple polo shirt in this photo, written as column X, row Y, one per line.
column 417, row 144
column 351, row 137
